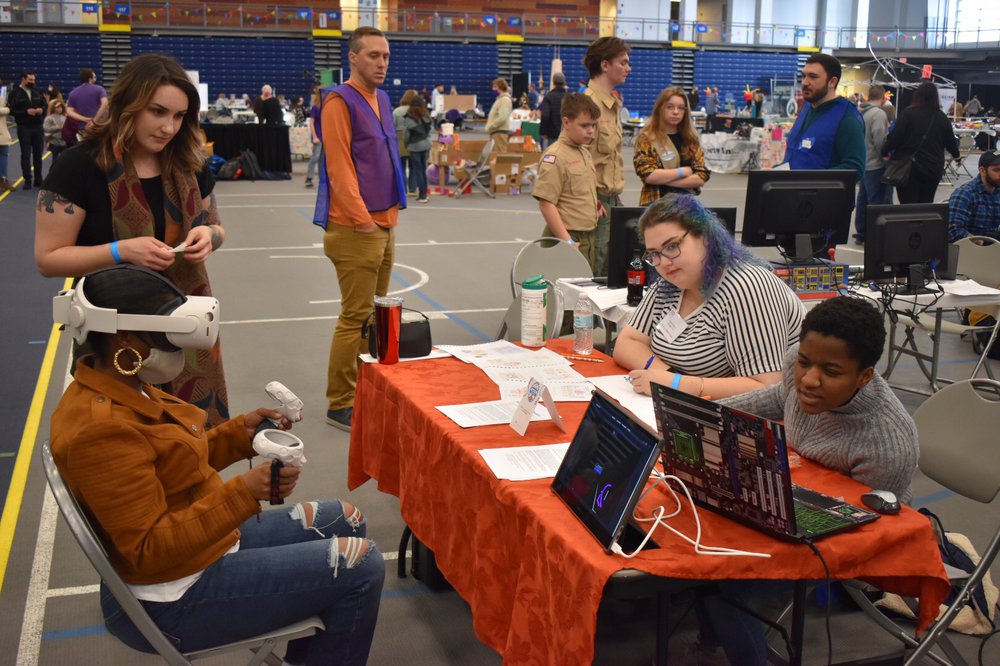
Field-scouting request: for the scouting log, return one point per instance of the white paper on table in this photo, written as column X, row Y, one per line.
column 621, row 390
column 435, row 353
column 540, row 358
column 496, row 349
column 967, row 288
column 605, row 299
column 602, row 297
column 524, row 463
column 493, row 412
column 544, row 374
column 562, row 391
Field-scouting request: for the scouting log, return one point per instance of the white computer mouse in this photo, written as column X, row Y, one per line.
column 881, row 501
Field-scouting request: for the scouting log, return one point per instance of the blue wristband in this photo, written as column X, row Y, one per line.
column 115, row 254
column 676, row 384
column 680, row 172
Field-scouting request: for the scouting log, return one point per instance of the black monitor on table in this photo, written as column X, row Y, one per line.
column 905, row 241
column 802, row 212
column 624, row 241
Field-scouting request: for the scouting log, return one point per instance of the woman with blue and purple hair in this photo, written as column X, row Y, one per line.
column 719, row 322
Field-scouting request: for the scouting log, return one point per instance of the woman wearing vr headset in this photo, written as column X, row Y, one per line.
column 209, row 567
column 137, row 190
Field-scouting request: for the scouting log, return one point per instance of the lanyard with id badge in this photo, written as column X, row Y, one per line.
column 672, row 325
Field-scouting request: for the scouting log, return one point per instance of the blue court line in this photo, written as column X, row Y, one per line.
column 74, row 633
column 930, row 499
column 437, row 306
column 97, row 629
column 37, row 342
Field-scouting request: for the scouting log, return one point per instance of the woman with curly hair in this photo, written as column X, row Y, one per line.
column 137, row 190
column 668, row 156
column 719, row 322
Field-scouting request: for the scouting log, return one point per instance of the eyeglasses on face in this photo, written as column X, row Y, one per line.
column 671, row 250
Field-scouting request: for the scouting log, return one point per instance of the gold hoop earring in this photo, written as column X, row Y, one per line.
column 137, row 365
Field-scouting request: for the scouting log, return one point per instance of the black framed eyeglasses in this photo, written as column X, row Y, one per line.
column 668, row 251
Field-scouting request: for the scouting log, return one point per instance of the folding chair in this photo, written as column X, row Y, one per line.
column 262, row 646
column 549, row 257
column 961, row 455
column 510, row 327
column 953, row 170
column 979, row 259
column 478, row 175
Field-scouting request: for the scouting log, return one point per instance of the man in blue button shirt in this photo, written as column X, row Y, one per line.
column 974, row 208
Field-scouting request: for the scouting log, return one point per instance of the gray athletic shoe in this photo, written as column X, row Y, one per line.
column 340, row 418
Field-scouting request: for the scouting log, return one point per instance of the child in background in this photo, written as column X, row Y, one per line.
column 566, row 187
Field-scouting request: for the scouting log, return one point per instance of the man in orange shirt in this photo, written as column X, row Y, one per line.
column 361, row 193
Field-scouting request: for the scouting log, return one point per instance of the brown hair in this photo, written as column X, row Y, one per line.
column 502, row 84
column 603, row 49
column 86, row 75
column 408, row 97
column 574, row 104
column 54, row 103
column 876, row 92
column 134, row 88
column 655, row 132
column 354, row 43
column 418, row 108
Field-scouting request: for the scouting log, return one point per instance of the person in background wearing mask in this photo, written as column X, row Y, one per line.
column 27, row 105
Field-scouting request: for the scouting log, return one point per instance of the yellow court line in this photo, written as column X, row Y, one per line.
column 3, row 196
column 18, row 481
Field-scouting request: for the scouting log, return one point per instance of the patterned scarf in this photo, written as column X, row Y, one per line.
column 202, row 383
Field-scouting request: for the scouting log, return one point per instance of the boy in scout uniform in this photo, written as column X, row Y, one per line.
column 607, row 63
column 566, row 186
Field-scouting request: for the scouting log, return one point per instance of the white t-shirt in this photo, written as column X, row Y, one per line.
column 742, row 330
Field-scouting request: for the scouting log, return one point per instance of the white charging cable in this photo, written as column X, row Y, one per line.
column 659, row 516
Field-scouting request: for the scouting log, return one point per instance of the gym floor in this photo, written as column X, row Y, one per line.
column 279, row 301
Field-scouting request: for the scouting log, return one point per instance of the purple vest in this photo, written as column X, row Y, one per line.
column 369, row 141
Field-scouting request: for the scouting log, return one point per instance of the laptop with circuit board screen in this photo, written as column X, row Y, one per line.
column 736, row 464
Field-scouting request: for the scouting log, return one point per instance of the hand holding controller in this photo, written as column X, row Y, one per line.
column 288, row 403
column 283, row 448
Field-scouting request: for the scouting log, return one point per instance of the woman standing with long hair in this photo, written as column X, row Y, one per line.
column 417, row 130
column 137, row 190
column 922, row 133
column 668, row 156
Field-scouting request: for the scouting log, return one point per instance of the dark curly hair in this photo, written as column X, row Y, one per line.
column 853, row 320
column 687, row 211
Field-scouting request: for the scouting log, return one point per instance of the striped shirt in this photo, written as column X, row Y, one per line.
column 743, row 329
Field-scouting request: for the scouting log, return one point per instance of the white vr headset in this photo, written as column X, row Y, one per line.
column 187, row 322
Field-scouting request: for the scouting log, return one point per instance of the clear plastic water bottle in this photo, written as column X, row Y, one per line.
column 583, row 326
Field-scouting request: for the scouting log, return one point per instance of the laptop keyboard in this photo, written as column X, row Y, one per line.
column 816, row 521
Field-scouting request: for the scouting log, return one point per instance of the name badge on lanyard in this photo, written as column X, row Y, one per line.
column 806, row 144
column 671, row 326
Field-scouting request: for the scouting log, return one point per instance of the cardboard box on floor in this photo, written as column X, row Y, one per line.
column 505, row 176
column 448, row 154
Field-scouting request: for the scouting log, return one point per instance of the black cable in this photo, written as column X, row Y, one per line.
column 982, row 644
column 829, row 595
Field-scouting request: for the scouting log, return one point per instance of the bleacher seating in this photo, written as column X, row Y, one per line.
column 732, row 71
column 471, row 68
column 237, row 65
column 55, row 57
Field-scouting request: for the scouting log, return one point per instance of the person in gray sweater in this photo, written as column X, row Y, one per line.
column 837, row 410
column 839, row 413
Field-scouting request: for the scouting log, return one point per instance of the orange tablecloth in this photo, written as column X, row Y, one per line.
column 531, row 572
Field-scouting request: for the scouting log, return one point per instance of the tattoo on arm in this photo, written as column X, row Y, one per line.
column 48, row 200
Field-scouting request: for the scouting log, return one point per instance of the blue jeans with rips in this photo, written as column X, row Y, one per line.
column 871, row 192
column 284, row 571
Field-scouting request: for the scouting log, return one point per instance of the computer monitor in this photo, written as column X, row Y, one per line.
column 624, row 241
column 903, row 240
column 802, row 211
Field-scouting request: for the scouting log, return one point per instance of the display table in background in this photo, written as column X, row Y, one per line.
column 532, row 574
column 268, row 142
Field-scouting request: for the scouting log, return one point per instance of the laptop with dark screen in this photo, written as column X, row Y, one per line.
column 736, row 464
column 605, row 468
